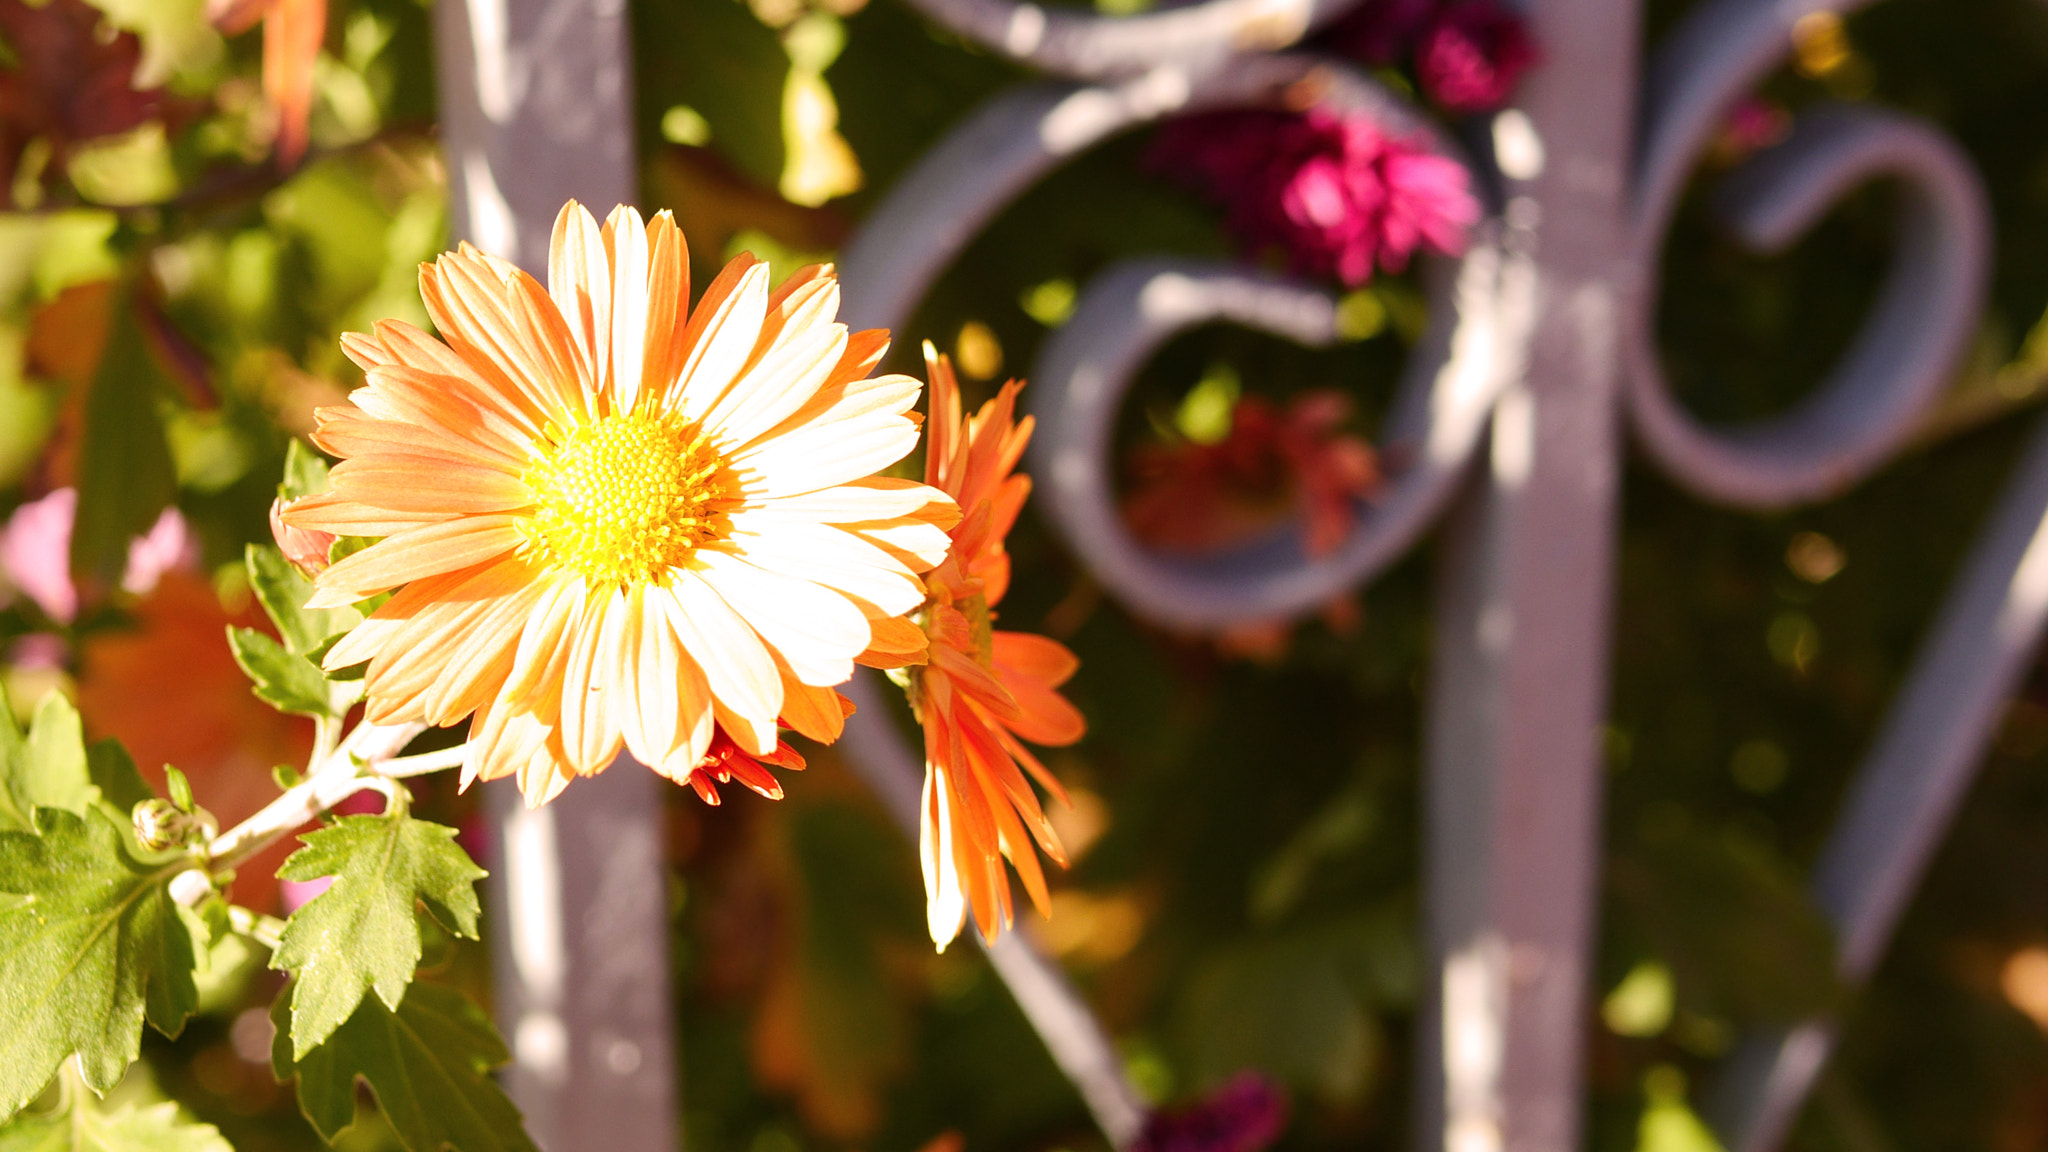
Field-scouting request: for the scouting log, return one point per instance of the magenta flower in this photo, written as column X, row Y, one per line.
column 1245, row 1115
column 1338, row 194
column 1472, row 55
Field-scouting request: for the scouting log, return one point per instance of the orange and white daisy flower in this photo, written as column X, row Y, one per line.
column 613, row 520
column 981, row 693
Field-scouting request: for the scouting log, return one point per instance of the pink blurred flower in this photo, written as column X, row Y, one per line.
column 39, row 651
column 169, row 544
column 1245, row 1115
column 1337, row 193
column 1753, row 125
column 35, row 553
column 1473, row 54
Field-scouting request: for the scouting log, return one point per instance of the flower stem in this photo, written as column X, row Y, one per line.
column 424, row 763
column 347, row 770
column 265, row 930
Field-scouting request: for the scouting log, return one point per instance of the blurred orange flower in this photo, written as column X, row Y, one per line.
column 1193, row 497
column 982, row 692
column 292, row 33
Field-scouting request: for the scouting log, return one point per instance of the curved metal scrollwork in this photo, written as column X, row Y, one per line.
column 1926, row 314
column 1221, row 54
column 1065, row 42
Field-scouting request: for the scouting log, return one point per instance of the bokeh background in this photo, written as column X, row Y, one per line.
column 177, row 262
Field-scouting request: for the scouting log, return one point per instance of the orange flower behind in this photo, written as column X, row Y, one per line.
column 982, row 693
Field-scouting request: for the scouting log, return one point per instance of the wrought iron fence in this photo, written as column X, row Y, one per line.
column 1511, row 419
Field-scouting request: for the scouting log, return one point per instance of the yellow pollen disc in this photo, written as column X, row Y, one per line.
column 622, row 500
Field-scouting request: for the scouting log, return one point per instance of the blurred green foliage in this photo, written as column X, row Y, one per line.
column 1246, row 886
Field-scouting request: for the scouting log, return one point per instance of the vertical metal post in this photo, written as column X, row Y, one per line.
column 1518, row 686
column 535, row 110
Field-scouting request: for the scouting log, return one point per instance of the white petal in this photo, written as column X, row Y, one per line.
column 580, row 284
column 590, row 732
column 816, row 630
column 628, row 236
column 726, row 345
column 736, row 665
column 826, row 555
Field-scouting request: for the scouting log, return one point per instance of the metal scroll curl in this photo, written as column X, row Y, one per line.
column 1479, row 303
column 1900, row 361
column 1083, row 46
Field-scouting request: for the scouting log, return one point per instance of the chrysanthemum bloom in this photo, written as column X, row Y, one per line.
column 982, row 693
column 1336, row 192
column 1473, row 54
column 612, row 520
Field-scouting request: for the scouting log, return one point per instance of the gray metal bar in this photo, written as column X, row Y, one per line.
column 1907, row 790
column 1057, row 1012
column 534, row 111
column 1519, row 681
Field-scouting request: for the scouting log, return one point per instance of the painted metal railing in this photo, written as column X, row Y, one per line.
column 1509, row 425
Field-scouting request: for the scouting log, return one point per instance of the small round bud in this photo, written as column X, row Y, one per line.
column 306, row 548
column 162, row 826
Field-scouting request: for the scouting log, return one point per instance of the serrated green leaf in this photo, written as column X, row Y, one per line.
column 282, row 680
column 94, row 946
column 82, row 1128
column 305, row 471
column 125, row 474
column 283, row 593
column 17, row 809
column 113, row 772
column 58, row 776
column 428, row 1062
column 362, row 934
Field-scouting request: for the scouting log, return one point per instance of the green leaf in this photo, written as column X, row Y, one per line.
column 305, row 472
column 428, row 1062
column 96, row 945
column 125, row 474
column 83, row 1128
column 284, row 681
column 363, row 933
column 179, row 788
column 58, row 776
column 113, row 772
column 1742, row 935
column 17, row 809
column 284, row 594
column 177, row 38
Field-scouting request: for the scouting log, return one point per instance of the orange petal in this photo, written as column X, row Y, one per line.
column 423, row 550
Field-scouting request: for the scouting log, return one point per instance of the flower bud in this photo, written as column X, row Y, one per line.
column 162, row 825
column 306, row 548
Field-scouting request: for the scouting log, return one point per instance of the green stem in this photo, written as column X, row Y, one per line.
column 265, row 930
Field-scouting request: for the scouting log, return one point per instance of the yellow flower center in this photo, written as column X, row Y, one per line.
column 622, row 500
